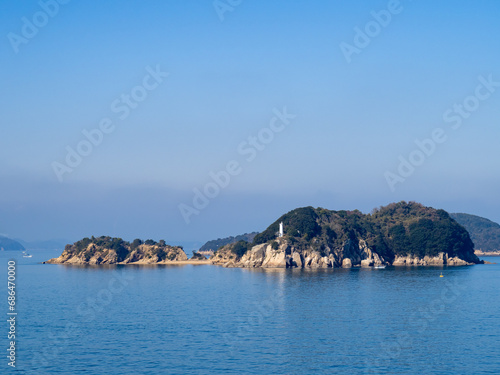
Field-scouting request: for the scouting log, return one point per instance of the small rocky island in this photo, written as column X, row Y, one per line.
column 108, row 250
column 400, row 234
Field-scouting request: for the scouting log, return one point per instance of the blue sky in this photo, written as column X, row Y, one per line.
column 225, row 80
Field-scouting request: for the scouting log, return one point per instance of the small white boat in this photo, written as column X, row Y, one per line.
column 379, row 266
column 26, row 255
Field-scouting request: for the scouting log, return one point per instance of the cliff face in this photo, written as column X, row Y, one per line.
column 106, row 250
column 288, row 255
column 403, row 234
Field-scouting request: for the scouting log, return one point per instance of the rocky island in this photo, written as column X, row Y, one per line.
column 400, row 234
column 484, row 233
column 108, row 250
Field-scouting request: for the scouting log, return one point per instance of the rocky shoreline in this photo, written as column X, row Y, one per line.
column 352, row 255
column 284, row 255
column 106, row 250
column 487, row 253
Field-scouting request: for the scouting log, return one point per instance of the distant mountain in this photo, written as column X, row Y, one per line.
column 44, row 245
column 215, row 244
column 484, row 233
column 9, row 244
column 188, row 246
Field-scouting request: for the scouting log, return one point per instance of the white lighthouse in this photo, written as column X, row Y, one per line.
column 281, row 234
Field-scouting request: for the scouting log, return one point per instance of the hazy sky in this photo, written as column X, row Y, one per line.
column 113, row 112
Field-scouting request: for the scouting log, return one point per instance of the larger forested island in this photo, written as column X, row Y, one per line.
column 400, row 234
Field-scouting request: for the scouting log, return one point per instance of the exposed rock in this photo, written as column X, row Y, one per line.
column 378, row 260
column 94, row 254
column 457, row 262
column 219, row 258
column 254, row 257
column 440, row 260
column 367, row 263
column 346, row 263
column 297, row 260
column 274, row 259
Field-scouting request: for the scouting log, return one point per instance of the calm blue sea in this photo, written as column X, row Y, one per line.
column 211, row 320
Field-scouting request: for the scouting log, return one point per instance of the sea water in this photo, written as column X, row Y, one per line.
column 212, row 320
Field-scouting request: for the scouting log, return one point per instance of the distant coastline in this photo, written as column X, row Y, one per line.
column 487, row 253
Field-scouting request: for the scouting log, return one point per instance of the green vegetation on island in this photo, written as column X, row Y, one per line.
column 397, row 229
column 484, row 233
column 396, row 232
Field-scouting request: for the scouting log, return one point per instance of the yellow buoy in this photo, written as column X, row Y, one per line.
column 441, row 275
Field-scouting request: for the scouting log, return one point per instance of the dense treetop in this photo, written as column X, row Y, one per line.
column 122, row 248
column 404, row 228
